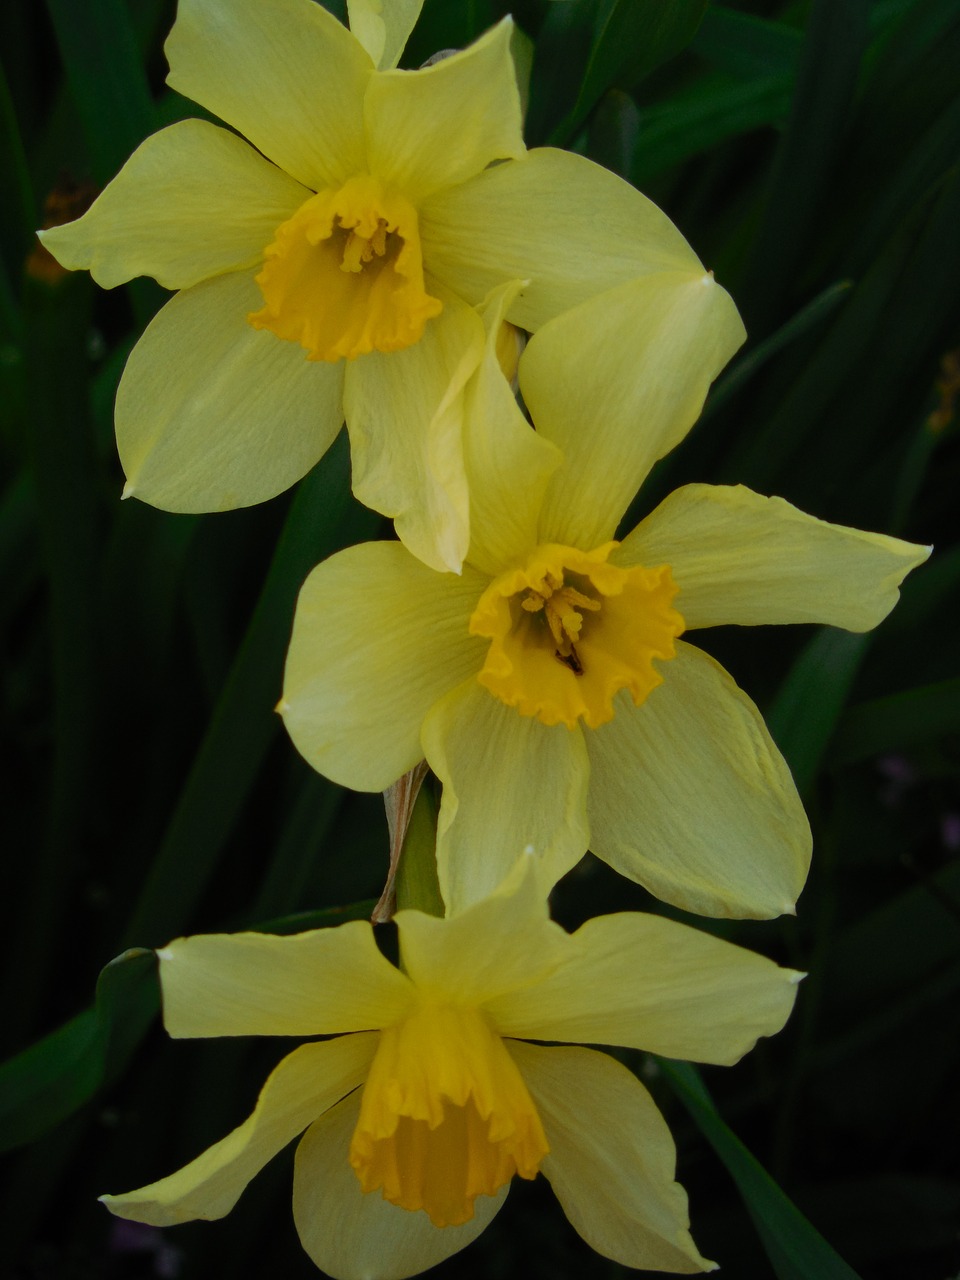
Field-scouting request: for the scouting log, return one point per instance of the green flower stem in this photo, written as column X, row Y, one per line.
column 417, row 884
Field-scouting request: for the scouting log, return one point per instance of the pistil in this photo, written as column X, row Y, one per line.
column 568, row 630
column 344, row 275
column 562, row 607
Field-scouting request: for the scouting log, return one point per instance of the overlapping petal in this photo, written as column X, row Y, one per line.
column 616, row 383
column 355, row 1236
column 508, row 782
column 741, row 558
column 287, row 75
column 505, row 942
column 405, row 411
column 326, row 981
column 191, row 202
column 612, row 1159
column 212, row 414
column 377, row 639
column 299, row 1089
column 383, row 29
column 507, row 465
column 690, row 796
column 431, row 129
column 566, row 225
column 690, row 996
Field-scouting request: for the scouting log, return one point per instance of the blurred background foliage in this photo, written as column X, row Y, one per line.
column 809, row 152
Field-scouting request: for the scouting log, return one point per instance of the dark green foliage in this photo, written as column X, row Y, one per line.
column 809, row 153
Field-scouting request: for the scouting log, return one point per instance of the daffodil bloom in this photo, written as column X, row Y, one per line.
column 330, row 268
column 547, row 685
column 430, row 1098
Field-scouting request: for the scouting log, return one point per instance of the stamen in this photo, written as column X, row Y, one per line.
column 560, row 605
column 359, row 250
column 344, row 274
column 568, row 630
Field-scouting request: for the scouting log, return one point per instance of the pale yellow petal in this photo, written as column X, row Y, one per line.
column 212, row 414
column 377, row 639
column 616, row 383
column 430, row 129
column 284, row 73
column 405, row 412
column 324, row 982
column 352, row 1235
column 649, row 983
column 566, row 225
column 504, row 943
column 382, row 27
column 192, row 201
column 690, row 796
column 507, row 464
column 612, row 1160
column 742, row 558
column 509, row 782
column 304, row 1085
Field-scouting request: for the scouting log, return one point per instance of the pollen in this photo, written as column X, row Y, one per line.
column 568, row 630
column 344, row 275
column 445, row 1116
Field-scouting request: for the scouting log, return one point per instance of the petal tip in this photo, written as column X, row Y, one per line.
column 128, row 491
column 795, row 977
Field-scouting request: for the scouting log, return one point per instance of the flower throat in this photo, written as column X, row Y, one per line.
column 344, row 275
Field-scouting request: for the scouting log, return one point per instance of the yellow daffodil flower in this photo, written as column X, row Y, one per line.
column 330, row 268
column 547, row 685
column 430, row 1098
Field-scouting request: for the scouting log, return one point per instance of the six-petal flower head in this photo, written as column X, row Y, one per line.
column 331, row 268
column 546, row 685
column 430, row 1098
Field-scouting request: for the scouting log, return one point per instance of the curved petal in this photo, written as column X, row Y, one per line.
column 612, row 1159
column 284, row 73
column 566, row 225
column 192, row 201
column 508, row 782
column 353, row 1235
column 739, row 557
column 213, row 414
column 615, row 406
column 433, row 128
column 690, row 796
column 304, row 1085
column 404, row 412
column 377, row 639
column 507, row 465
column 503, row 943
column 325, row 982
column 650, row 983
column 383, row 31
